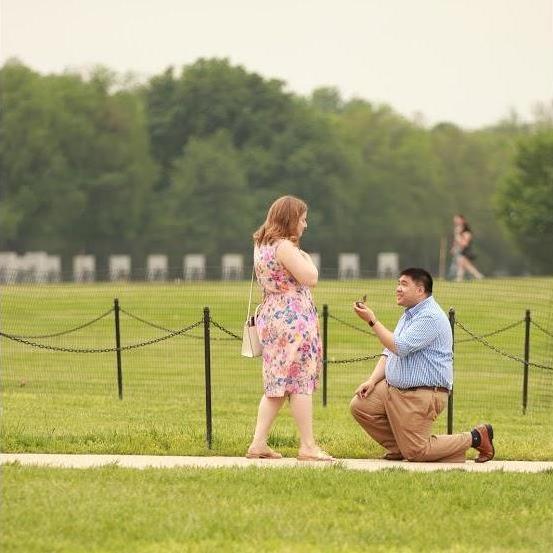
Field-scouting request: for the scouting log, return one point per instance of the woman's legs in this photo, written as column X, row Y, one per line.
column 469, row 266
column 464, row 264
column 460, row 268
column 302, row 411
column 268, row 410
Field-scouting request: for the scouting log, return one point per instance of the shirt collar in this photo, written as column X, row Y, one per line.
column 411, row 311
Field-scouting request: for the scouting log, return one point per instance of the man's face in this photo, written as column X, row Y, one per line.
column 408, row 292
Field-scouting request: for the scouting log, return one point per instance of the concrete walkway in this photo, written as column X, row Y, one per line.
column 153, row 461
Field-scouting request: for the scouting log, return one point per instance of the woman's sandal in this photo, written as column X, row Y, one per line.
column 265, row 454
column 319, row 456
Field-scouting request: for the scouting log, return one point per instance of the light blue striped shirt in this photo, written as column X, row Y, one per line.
column 424, row 348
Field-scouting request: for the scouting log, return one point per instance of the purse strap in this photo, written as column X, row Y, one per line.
column 251, row 290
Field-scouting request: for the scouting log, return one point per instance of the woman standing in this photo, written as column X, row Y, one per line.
column 466, row 256
column 455, row 250
column 288, row 327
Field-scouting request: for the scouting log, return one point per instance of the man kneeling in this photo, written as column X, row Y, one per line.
column 410, row 384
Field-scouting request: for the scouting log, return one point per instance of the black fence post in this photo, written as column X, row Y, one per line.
column 527, row 321
column 325, row 351
column 207, row 361
column 450, row 398
column 118, row 350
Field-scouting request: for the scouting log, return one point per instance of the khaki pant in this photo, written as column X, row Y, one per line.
column 401, row 421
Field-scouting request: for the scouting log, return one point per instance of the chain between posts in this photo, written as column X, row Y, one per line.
column 539, row 327
column 497, row 350
column 490, row 334
column 69, row 331
column 144, row 321
column 159, row 327
column 350, row 325
column 223, row 329
column 173, row 333
column 103, row 350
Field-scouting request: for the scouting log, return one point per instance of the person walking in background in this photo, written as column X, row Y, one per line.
column 455, row 250
column 410, row 384
column 466, row 256
column 288, row 327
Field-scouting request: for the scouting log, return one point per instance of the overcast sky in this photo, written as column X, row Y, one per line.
column 465, row 61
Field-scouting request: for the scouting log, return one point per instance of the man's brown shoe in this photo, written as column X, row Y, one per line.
column 393, row 456
column 485, row 448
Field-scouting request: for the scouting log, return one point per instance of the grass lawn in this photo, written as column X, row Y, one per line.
column 250, row 510
column 67, row 402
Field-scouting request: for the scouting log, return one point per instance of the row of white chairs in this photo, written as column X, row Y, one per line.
column 41, row 267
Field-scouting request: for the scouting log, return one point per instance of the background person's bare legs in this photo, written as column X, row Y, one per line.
column 464, row 264
column 469, row 266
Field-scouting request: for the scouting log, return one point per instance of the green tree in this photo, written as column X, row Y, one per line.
column 399, row 194
column 208, row 96
column 190, row 162
column 208, row 208
column 525, row 200
column 327, row 99
column 285, row 145
column 76, row 168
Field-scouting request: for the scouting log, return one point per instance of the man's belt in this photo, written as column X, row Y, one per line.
column 433, row 388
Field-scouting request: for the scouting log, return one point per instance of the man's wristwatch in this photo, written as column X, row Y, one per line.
column 372, row 323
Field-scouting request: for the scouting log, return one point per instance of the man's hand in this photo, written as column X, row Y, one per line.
column 364, row 389
column 364, row 312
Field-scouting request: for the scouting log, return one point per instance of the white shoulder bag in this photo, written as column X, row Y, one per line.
column 251, row 346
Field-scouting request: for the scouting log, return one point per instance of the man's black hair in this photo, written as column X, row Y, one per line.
column 421, row 277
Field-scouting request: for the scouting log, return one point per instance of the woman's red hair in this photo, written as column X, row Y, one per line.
column 282, row 221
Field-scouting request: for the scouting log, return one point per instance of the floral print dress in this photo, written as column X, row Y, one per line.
column 288, row 328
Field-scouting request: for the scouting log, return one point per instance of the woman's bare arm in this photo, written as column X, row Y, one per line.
column 298, row 263
column 465, row 238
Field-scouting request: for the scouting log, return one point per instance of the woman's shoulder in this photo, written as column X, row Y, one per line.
column 268, row 250
column 284, row 246
column 284, row 243
column 275, row 244
column 266, row 245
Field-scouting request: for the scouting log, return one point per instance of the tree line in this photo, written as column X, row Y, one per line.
column 189, row 161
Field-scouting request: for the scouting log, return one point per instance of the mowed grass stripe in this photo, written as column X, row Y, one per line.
column 250, row 510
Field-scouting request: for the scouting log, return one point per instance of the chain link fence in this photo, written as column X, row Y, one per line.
column 160, row 363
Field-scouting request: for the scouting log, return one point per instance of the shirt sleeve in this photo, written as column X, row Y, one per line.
column 420, row 334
